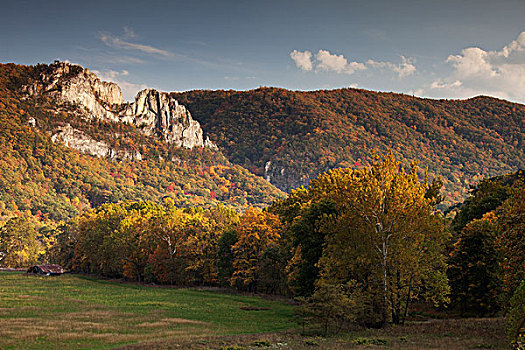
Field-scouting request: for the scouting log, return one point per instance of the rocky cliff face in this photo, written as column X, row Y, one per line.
column 154, row 113
column 78, row 140
column 157, row 113
column 286, row 179
column 67, row 83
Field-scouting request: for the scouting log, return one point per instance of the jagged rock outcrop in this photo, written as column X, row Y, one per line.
column 67, row 83
column 154, row 113
column 157, row 113
column 76, row 139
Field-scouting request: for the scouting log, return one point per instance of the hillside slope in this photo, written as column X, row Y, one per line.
column 42, row 177
column 289, row 137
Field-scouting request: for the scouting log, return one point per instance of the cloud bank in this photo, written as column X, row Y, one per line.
column 475, row 71
column 324, row 60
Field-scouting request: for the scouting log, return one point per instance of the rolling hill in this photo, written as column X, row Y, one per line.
column 289, row 137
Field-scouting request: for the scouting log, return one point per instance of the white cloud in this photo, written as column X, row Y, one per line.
column 405, row 68
column 126, row 42
column 327, row 61
column 303, row 60
column 476, row 71
column 116, row 42
column 129, row 90
column 324, row 60
column 517, row 45
column 121, row 59
column 337, row 63
column 472, row 61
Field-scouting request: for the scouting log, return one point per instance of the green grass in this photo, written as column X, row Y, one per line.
column 78, row 312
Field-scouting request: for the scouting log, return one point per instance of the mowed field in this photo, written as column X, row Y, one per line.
column 78, row 312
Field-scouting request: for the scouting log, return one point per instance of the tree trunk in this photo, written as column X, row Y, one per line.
column 407, row 301
column 385, row 286
column 139, row 275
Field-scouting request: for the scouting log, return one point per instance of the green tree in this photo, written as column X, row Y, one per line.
column 485, row 197
column 308, row 232
column 475, row 267
column 225, row 256
column 516, row 317
column 512, row 241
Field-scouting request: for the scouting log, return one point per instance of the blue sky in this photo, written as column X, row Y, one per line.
column 438, row 48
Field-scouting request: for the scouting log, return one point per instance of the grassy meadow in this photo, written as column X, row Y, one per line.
column 74, row 312
column 80, row 312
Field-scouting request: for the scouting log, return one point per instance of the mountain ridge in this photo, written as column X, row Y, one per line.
column 285, row 137
column 303, row 134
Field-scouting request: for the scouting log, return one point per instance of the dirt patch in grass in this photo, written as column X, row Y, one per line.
column 434, row 334
column 183, row 321
column 7, row 310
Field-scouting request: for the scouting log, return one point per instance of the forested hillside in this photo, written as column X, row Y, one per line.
column 47, row 179
column 289, row 136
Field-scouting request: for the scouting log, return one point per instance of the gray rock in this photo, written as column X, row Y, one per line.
column 158, row 113
column 67, row 83
column 154, row 113
column 76, row 139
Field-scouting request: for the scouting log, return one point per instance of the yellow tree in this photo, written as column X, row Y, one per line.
column 201, row 249
column 19, row 245
column 133, row 242
column 387, row 236
column 258, row 234
column 168, row 259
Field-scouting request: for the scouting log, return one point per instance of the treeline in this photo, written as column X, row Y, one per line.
column 304, row 134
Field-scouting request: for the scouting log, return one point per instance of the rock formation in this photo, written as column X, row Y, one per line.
column 78, row 140
column 157, row 113
column 67, row 83
column 154, row 113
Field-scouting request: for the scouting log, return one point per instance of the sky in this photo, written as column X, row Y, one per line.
column 435, row 49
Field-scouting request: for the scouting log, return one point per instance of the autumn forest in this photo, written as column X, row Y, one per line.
column 358, row 207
